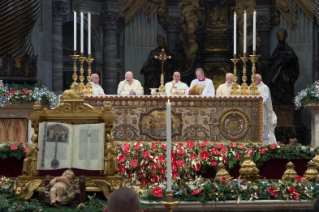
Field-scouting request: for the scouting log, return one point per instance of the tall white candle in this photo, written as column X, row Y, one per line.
column 235, row 33
column 168, row 146
column 89, row 33
column 254, row 31
column 74, row 31
column 82, row 34
column 245, row 30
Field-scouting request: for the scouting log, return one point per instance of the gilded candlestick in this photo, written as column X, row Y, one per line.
column 253, row 86
column 169, row 203
column 89, row 89
column 162, row 57
column 75, row 57
column 235, row 87
column 244, row 86
column 82, row 59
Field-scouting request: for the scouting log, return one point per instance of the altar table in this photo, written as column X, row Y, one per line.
column 143, row 118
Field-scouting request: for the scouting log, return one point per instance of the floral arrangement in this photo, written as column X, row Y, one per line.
column 310, row 93
column 237, row 189
column 25, row 93
column 144, row 164
column 9, row 150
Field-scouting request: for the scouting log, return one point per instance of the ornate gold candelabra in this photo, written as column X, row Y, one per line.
column 162, row 57
column 89, row 89
column 253, row 86
column 75, row 57
column 244, row 86
column 235, row 87
column 82, row 59
column 169, row 203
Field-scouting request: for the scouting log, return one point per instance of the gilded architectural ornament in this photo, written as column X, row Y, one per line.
column 30, row 161
column 248, row 169
column 25, row 189
column 311, row 173
column 290, row 172
column 316, row 160
column 221, row 172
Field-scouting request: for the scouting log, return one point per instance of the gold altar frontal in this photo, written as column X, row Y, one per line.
column 220, row 119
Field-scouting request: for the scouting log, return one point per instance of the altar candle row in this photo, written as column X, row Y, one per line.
column 82, row 32
column 245, row 32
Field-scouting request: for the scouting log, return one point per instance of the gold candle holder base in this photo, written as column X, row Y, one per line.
column 82, row 59
column 253, row 86
column 75, row 57
column 89, row 88
column 235, row 90
column 169, row 203
column 161, row 89
column 244, row 87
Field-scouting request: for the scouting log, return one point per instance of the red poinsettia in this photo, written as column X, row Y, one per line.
column 126, row 148
column 155, row 179
column 196, row 167
column 122, row 158
column 219, row 146
column 250, row 152
column 204, row 155
column 6, row 94
column 180, row 144
column 137, row 146
column 174, row 174
column 298, row 178
column 180, row 152
column 154, row 165
column 242, row 146
column 153, row 147
column 238, row 156
column 157, row 192
column 196, row 191
column 190, row 144
column 134, row 163
column 204, row 143
column 213, row 163
column 262, row 150
column 144, row 164
column 144, row 182
column 164, row 146
column 162, row 170
column 273, row 192
column 12, row 92
column 161, row 159
column 25, row 149
column 233, row 144
column 180, row 162
column 26, row 92
column 215, row 151
column 225, row 160
column 294, row 192
column 13, row 147
column 145, row 154
column 193, row 156
column 272, row 146
column 174, row 165
column 223, row 150
column 122, row 168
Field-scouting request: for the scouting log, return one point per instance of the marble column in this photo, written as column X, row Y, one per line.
column 173, row 27
column 110, row 51
column 264, row 28
column 59, row 8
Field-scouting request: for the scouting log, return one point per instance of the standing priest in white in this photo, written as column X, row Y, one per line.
column 130, row 86
column 270, row 118
column 224, row 89
column 202, row 84
column 177, row 84
column 97, row 89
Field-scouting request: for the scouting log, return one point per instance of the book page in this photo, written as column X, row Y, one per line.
column 88, row 147
column 55, row 146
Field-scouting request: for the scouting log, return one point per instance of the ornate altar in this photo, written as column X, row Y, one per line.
column 73, row 110
column 143, row 118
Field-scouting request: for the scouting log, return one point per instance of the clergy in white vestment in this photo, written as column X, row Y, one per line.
column 130, row 86
column 270, row 118
column 97, row 89
column 204, row 85
column 224, row 89
column 176, row 86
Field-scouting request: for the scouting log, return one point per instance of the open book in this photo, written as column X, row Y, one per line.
column 70, row 146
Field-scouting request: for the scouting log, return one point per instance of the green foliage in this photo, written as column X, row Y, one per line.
column 6, row 151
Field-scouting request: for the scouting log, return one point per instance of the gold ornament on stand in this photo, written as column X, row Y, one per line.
column 316, row 160
column 244, row 86
column 253, row 86
column 235, row 90
column 311, row 173
column 89, row 88
column 82, row 59
column 221, row 172
column 248, row 170
column 162, row 57
column 290, row 173
column 169, row 203
column 75, row 57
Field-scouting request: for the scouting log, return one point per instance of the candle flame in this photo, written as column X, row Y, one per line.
column 244, row 11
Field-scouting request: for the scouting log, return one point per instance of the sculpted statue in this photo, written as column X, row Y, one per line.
column 284, row 70
column 110, row 158
column 30, row 161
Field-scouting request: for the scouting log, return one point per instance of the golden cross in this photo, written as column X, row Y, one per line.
column 162, row 57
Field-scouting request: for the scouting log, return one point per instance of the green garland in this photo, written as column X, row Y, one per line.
column 12, row 151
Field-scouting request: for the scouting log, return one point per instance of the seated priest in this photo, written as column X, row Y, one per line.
column 270, row 118
column 130, row 86
column 97, row 89
column 202, row 86
column 224, row 89
column 176, row 86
